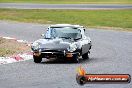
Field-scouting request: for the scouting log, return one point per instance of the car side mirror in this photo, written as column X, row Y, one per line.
column 84, row 30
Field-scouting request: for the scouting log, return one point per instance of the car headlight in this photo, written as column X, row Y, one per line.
column 72, row 47
column 35, row 46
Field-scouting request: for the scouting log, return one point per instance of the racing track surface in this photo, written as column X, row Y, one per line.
column 64, row 6
column 111, row 53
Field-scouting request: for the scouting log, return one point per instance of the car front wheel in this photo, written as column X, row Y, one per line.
column 85, row 56
column 75, row 59
column 37, row 59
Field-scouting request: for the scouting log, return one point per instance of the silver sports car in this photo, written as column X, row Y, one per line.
column 62, row 41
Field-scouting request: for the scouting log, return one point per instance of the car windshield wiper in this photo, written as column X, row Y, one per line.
column 47, row 38
column 77, row 38
column 65, row 37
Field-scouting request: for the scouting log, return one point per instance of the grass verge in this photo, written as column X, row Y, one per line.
column 71, row 1
column 10, row 47
column 89, row 18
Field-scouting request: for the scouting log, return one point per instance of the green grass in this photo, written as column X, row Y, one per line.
column 71, row 1
column 90, row 18
column 7, row 47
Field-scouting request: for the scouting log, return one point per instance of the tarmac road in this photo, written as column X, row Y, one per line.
column 64, row 6
column 111, row 53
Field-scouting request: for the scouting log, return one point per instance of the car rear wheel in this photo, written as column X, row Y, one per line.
column 86, row 55
column 37, row 59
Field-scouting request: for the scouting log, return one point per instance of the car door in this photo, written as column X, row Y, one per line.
column 85, row 42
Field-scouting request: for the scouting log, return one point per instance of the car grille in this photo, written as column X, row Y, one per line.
column 54, row 50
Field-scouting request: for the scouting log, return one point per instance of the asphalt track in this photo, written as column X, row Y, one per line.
column 111, row 53
column 64, row 6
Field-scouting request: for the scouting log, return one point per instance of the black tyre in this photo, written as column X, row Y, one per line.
column 37, row 59
column 75, row 59
column 85, row 56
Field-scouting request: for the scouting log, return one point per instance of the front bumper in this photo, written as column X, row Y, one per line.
column 56, row 54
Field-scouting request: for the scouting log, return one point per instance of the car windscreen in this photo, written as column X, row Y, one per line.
column 65, row 32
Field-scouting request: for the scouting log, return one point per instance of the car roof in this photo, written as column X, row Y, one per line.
column 66, row 25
